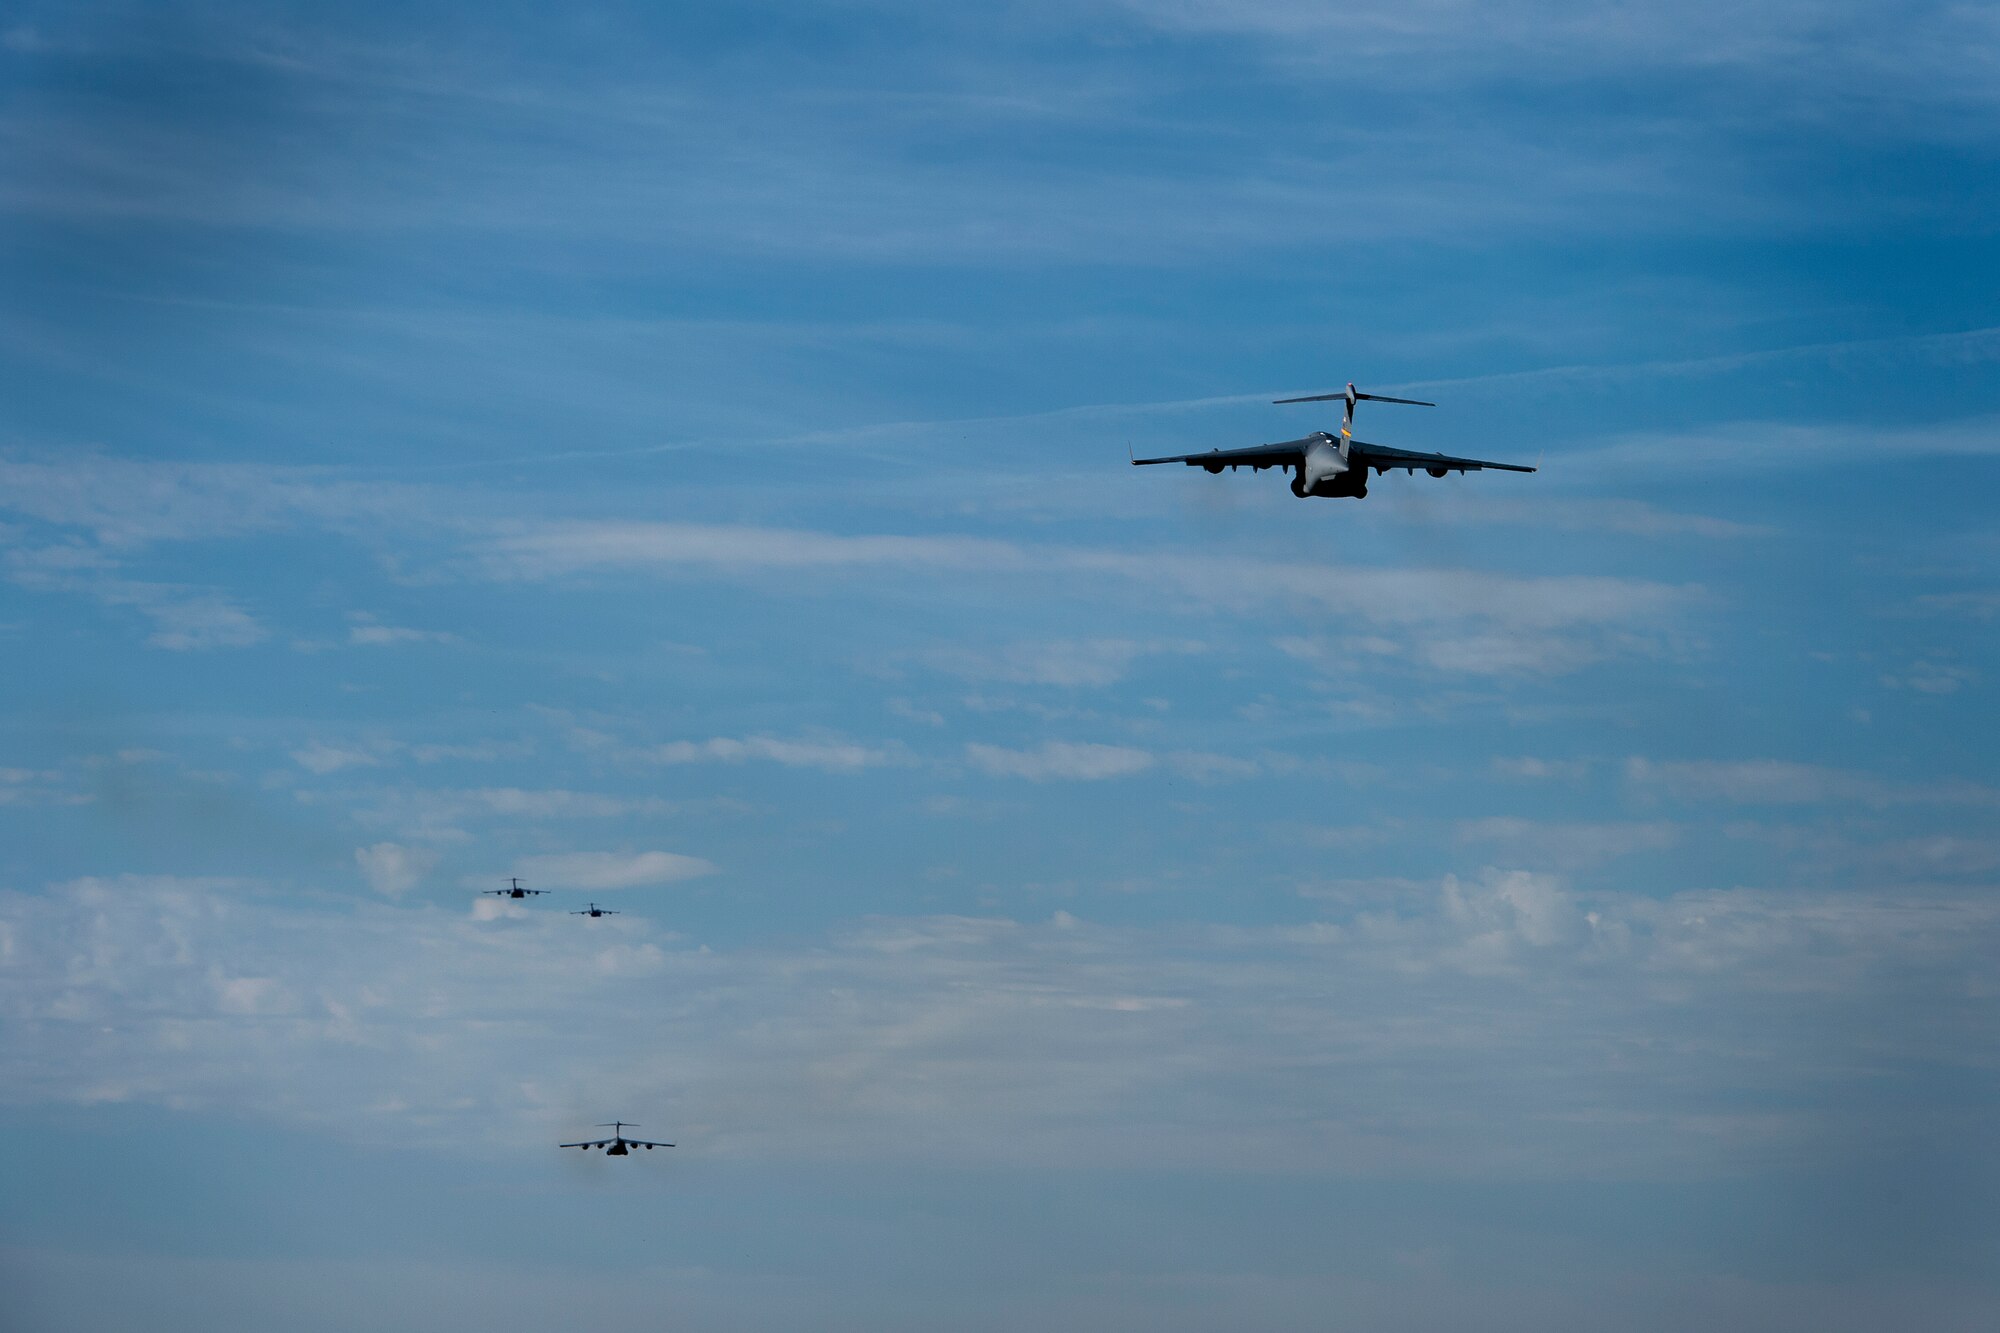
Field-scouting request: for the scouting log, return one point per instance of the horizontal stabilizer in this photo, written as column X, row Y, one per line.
column 1359, row 397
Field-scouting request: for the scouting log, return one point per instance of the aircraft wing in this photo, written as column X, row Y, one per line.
column 1286, row 454
column 594, row 1143
column 1382, row 456
column 641, row 1143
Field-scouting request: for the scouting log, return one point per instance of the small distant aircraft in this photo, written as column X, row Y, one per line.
column 617, row 1145
column 1334, row 465
column 594, row 910
column 516, row 891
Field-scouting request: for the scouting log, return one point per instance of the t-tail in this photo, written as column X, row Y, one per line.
column 1349, row 398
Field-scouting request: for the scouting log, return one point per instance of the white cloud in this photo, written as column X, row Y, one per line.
column 1627, row 518
column 1569, row 845
column 519, row 803
column 832, row 756
column 1508, row 907
column 393, row 869
column 1971, row 605
column 185, row 619
column 1066, row 760
column 383, row 635
column 910, row 712
column 1061, row 662
column 1781, row 782
column 1202, row 766
column 1531, row 767
column 556, row 549
column 33, row 786
column 321, row 758
column 1931, row 678
column 1384, row 596
column 124, row 503
column 249, row 996
column 611, row 870
column 1615, row 1035
column 480, row 752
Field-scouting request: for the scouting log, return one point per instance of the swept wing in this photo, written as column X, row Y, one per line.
column 1286, row 454
column 1382, row 457
column 606, row 1143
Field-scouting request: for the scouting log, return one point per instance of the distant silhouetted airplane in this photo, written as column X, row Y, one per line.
column 1334, row 465
column 617, row 1145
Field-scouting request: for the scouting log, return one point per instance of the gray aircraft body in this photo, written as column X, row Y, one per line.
column 1334, row 465
column 617, row 1145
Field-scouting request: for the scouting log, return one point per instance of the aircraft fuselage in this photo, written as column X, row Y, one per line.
column 1326, row 470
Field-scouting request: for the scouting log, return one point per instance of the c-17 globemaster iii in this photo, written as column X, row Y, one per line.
column 617, row 1145
column 1334, row 465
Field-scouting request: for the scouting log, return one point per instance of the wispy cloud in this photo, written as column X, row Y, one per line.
column 1927, row 677
column 612, row 870
column 184, row 618
column 1783, row 782
column 1398, row 597
column 1323, row 1045
column 1074, row 761
column 1059, row 662
column 829, row 755
column 322, row 759
column 393, row 869
column 1562, row 845
column 383, row 635
column 1972, row 605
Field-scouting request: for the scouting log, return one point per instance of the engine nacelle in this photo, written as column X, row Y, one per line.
column 1437, row 471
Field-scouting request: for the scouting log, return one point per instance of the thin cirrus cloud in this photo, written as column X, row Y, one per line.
column 1389, row 596
column 612, row 870
column 1058, row 662
column 1068, row 761
column 717, row 168
column 1567, row 845
column 828, row 756
column 185, row 619
column 322, row 759
column 386, row 635
column 1784, row 782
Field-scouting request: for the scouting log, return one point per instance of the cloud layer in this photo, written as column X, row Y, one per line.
column 1340, row 1045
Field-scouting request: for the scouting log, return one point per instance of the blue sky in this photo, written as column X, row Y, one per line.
column 678, row 457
